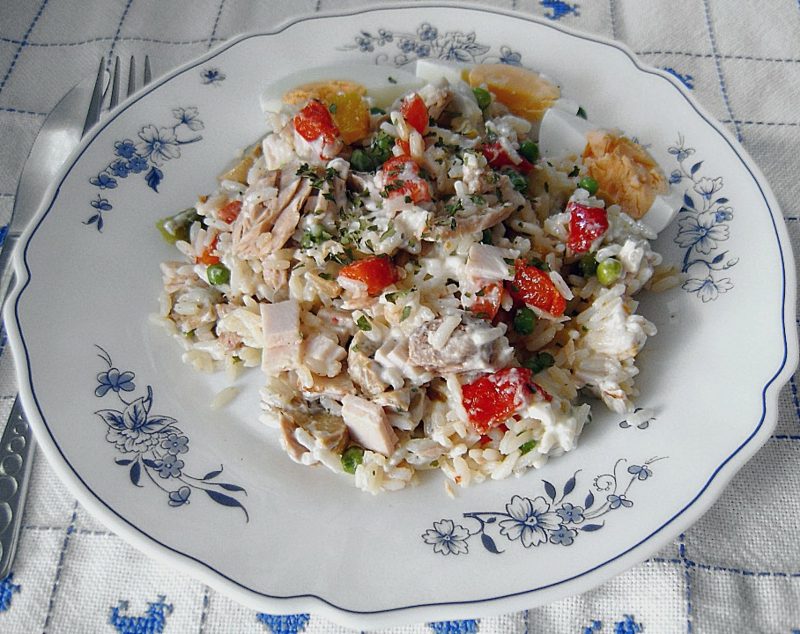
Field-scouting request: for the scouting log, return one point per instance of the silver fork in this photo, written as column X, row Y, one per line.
column 59, row 135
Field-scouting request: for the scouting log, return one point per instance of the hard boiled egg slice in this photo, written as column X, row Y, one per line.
column 382, row 84
column 627, row 169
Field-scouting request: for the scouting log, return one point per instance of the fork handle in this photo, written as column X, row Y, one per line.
column 16, row 457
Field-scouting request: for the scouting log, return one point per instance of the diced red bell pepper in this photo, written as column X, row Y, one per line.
column 487, row 303
column 376, row 272
column 403, row 145
column 497, row 157
column 315, row 121
column 415, row 112
column 207, row 257
column 402, row 179
column 491, row 399
column 586, row 224
column 533, row 287
column 230, row 212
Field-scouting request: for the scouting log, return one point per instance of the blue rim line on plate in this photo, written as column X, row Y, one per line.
column 192, row 65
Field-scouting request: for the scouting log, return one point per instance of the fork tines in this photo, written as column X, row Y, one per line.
column 101, row 89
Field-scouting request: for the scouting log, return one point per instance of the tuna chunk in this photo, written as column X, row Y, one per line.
column 287, row 439
column 486, row 262
column 368, row 425
column 280, row 324
column 475, row 345
column 364, row 371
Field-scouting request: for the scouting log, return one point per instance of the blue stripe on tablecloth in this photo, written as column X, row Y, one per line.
column 751, row 58
column 108, row 38
column 18, row 111
column 60, row 568
column 684, row 560
column 117, row 33
column 204, row 610
column 723, row 87
column 612, row 10
column 742, row 572
column 216, row 23
column 795, row 398
column 22, row 44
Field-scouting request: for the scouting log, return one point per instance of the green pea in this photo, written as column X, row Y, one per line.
column 518, row 181
column 218, row 274
column 361, row 162
column 483, row 96
column 524, row 321
column 588, row 265
column 526, row 447
column 539, row 362
column 608, row 271
column 351, row 458
column 589, row 184
column 529, row 150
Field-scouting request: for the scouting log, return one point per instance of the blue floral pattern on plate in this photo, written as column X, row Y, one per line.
column 428, row 41
column 153, row 445
column 146, row 155
column 554, row 518
column 703, row 224
column 212, row 76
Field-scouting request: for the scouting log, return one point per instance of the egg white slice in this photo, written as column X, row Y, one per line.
column 562, row 134
column 383, row 84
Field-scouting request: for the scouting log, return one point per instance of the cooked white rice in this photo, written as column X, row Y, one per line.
column 385, row 378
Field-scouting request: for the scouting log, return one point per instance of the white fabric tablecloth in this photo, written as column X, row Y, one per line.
column 736, row 570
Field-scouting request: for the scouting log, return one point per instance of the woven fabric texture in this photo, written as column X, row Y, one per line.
column 736, row 570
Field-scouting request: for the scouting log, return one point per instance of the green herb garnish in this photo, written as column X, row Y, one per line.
column 363, row 323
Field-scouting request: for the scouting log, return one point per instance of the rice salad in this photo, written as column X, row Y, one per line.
column 421, row 289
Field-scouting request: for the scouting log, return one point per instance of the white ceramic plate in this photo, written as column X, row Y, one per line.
column 107, row 393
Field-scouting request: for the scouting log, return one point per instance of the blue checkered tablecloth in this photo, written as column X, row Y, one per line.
column 736, row 570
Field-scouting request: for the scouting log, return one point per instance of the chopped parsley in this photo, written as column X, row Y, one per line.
column 388, row 233
column 363, row 323
column 539, row 362
column 317, row 181
column 477, row 199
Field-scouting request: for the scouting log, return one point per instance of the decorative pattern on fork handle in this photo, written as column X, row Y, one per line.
column 16, row 453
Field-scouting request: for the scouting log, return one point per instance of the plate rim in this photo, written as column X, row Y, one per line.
column 206, row 573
